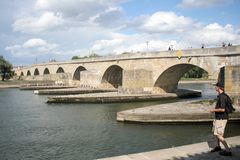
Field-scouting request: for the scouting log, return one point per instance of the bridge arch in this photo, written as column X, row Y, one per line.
column 60, row 70
column 113, row 76
column 46, row 71
column 168, row 80
column 28, row 73
column 76, row 75
column 36, row 72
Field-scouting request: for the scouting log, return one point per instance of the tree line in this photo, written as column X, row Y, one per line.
column 196, row 72
column 5, row 69
column 92, row 55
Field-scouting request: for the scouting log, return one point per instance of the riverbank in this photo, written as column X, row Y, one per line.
column 198, row 151
column 191, row 111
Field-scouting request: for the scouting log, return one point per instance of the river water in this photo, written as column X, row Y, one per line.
column 32, row 129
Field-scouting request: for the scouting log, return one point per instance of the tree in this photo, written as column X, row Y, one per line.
column 92, row 55
column 53, row 60
column 196, row 72
column 5, row 68
column 76, row 57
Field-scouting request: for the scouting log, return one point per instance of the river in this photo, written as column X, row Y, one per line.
column 31, row 129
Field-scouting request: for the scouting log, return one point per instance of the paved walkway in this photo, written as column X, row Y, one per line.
column 198, row 151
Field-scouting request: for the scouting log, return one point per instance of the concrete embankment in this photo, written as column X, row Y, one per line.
column 198, row 151
column 43, row 87
column 108, row 98
column 71, row 91
column 120, row 97
column 192, row 111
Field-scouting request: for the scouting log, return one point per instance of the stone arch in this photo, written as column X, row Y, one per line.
column 60, row 70
column 36, row 72
column 168, row 80
column 21, row 74
column 76, row 75
column 28, row 73
column 113, row 76
column 46, row 71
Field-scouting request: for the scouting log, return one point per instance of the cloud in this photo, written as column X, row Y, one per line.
column 34, row 43
column 211, row 35
column 214, row 34
column 112, row 17
column 121, row 43
column 48, row 20
column 201, row 3
column 162, row 22
column 82, row 9
column 32, row 47
column 69, row 14
column 106, row 46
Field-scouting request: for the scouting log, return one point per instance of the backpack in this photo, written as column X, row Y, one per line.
column 229, row 107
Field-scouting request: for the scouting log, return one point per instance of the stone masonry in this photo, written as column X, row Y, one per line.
column 135, row 72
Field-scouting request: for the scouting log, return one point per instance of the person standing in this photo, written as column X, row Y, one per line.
column 220, row 121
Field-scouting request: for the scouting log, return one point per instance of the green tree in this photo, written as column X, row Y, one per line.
column 53, row 60
column 196, row 72
column 93, row 55
column 76, row 57
column 5, row 68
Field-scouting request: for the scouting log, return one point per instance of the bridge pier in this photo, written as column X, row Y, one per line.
column 232, row 82
column 137, row 81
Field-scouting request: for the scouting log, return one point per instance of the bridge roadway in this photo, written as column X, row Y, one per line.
column 198, row 151
column 157, row 72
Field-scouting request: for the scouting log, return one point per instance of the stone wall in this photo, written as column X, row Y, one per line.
column 137, row 81
column 232, row 82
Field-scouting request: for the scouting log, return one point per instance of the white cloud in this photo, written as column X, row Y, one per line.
column 214, row 34
column 161, row 22
column 34, row 43
column 71, row 14
column 104, row 45
column 83, row 9
column 211, row 35
column 48, row 20
column 112, row 17
column 31, row 47
column 132, row 43
column 201, row 3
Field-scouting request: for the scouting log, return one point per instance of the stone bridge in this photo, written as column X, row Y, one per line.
column 137, row 72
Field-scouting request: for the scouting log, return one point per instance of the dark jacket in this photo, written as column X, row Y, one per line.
column 222, row 102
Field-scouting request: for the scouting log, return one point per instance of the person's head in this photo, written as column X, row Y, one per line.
column 219, row 87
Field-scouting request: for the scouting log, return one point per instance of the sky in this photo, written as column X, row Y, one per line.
column 37, row 31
